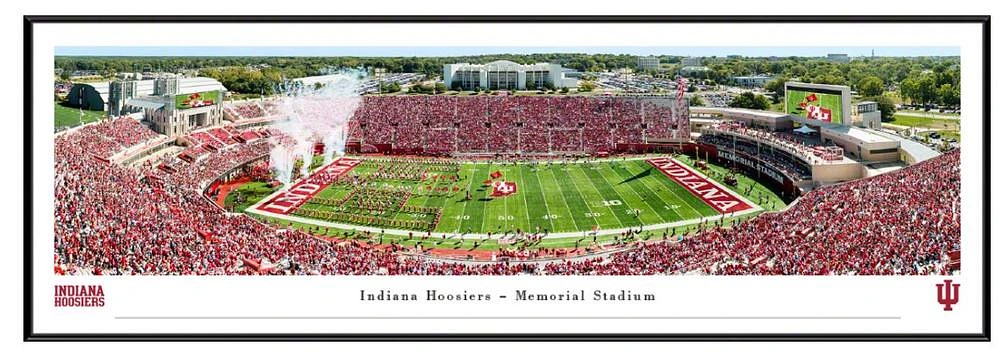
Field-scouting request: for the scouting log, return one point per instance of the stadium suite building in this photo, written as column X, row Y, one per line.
column 506, row 75
column 860, row 146
column 155, row 101
column 98, row 96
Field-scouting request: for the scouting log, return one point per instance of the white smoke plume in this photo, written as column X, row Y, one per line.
column 316, row 112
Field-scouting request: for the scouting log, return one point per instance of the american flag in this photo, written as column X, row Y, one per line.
column 681, row 86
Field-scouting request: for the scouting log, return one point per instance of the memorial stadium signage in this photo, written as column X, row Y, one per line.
column 711, row 193
column 287, row 201
column 753, row 165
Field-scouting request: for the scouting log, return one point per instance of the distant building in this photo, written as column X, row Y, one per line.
column 866, row 114
column 754, row 81
column 691, row 61
column 648, row 63
column 175, row 109
column 838, row 57
column 506, row 75
column 692, row 70
column 129, row 76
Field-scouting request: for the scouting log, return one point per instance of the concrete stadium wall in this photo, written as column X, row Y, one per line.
column 837, row 172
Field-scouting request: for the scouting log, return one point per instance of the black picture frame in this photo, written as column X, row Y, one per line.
column 28, row 179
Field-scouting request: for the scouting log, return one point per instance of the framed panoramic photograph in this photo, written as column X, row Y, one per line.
column 463, row 178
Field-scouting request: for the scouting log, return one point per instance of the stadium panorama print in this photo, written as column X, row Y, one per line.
column 336, row 177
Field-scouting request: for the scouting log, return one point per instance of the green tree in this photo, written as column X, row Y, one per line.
column 564, row 90
column 439, row 88
column 750, row 100
column 908, row 89
column 585, row 86
column 927, row 89
column 777, row 86
column 696, row 100
column 828, row 78
column 871, row 86
column 948, row 95
column 797, row 71
column 392, row 88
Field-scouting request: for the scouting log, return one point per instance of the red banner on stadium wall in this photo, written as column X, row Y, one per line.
column 716, row 196
column 289, row 200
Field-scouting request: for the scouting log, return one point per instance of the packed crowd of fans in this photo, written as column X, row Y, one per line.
column 784, row 140
column 197, row 174
column 794, row 168
column 243, row 111
column 111, row 219
column 105, row 138
column 509, row 124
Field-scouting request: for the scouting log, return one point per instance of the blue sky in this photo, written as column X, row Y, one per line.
column 373, row 51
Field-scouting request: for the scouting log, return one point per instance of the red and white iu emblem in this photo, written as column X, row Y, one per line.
column 947, row 294
column 502, row 188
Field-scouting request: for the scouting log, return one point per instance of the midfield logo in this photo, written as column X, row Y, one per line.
column 502, row 188
column 947, row 294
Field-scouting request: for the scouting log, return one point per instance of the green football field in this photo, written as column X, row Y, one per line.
column 559, row 197
column 832, row 102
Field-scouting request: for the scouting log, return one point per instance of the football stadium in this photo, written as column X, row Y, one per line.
column 328, row 181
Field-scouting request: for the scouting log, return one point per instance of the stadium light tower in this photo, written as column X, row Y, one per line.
column 379, row 73
column 80, row 105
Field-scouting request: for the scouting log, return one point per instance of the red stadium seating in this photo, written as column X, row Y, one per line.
column 113, row 219
column 512, row 124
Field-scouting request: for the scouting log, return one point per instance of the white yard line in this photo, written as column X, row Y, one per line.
column 669, row 190
column 676, row 195
column 541, row 190
column 637, row 196
column 402, row 232
column 589, row 210
column 569, row 209
column 399, row 232
column 612, row 210
column 465, row 204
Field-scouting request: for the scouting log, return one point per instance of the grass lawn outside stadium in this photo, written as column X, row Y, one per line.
column 564, row 199
column 68, row 116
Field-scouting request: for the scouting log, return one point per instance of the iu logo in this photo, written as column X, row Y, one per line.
column 947, row 294
column 501, row 188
